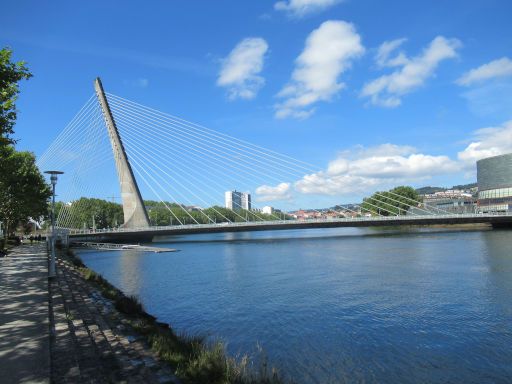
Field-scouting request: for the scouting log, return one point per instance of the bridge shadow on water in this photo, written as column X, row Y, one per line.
column 317, row 234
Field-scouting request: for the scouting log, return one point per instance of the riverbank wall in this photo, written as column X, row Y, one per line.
column 163, row 355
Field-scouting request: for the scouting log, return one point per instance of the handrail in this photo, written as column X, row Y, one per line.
column 402, row 218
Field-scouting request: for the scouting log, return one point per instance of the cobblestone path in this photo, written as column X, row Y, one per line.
column 92, row 342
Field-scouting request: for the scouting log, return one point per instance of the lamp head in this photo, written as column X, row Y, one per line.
column 53, row 177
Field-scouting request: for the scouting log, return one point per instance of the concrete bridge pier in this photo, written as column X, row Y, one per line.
column 135, row 215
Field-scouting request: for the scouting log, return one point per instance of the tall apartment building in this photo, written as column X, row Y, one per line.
column 235, row 200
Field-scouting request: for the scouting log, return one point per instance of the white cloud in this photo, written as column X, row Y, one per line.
column 279, row 192
column 321, row 184
column 492, row 141
column 413, row 166
column 382, row 58
column 239, row 72
column 300, row 8
column 497, row 68
column 387, row 90
column 363, row 169
column 338, row 166
column 328, row 52
column 384, row 150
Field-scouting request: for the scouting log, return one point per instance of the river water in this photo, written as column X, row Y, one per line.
column 337, row 305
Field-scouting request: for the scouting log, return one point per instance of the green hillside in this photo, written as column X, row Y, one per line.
column 429, row 190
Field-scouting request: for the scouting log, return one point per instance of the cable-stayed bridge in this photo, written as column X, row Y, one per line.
column 186, row 168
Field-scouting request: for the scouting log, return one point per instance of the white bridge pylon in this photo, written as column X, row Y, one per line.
column 135, row 215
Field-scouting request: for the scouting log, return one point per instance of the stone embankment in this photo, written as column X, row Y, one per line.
column 64, row 330
column 92, row 340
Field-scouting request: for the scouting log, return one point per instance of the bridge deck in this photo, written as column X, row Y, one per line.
column 141, row 234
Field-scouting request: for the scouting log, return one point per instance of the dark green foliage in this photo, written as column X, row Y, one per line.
column 105, row 213
column 430, row 190
column 109, row 215
column 10, row 74
column 389, row 204
column 164, row 213
column 23, row 190
column 465, row 186
column 129, row 305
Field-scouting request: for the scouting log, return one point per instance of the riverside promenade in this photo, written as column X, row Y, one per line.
column 64, row 330
column 24, row 323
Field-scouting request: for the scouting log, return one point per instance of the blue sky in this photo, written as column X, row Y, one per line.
column 374, row 94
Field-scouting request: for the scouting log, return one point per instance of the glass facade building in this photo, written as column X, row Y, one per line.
column 235, row 200
column 494, row 177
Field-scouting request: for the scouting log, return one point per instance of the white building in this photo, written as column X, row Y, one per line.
column 235, row 200
column 268, row 210
column 246, row 201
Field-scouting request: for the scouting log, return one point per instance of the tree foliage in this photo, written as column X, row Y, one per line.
column 79, row 214
column 391, row 203
column 11, row 73
column 162, row 214
column 89, row 213
column 23, row 190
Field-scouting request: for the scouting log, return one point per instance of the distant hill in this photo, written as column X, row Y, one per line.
column 429, row 190
column 465, row 186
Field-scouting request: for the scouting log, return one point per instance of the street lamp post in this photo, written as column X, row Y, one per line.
column 53, row 179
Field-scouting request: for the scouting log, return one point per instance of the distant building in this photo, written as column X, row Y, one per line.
column 300, row 215
column 246, row 201
column 448, row 194
column 456, row 204
column 267, row 210
column 451, row 200
column 235, row 200
column 494, row 179
column 309, row 214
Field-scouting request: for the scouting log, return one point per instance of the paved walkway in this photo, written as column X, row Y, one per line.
column 65, row 331
column 24, row 325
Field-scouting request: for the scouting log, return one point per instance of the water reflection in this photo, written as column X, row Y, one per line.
column 131, row 269
column 339, row 305
column 497, row 254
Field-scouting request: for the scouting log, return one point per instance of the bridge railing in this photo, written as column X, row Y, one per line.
column 402, row 218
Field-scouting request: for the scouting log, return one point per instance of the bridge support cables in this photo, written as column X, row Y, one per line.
column 183, row 171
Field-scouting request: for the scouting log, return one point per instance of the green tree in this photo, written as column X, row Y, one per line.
column 90, row 212
column 11, row 73
column 161, row 213
column 80, row 213
column 397, row 201
column 23, row 190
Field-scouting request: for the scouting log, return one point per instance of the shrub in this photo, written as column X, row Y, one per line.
column 129, row 305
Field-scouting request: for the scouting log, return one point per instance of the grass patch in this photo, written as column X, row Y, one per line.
column 129, row 305
column 195, row 360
